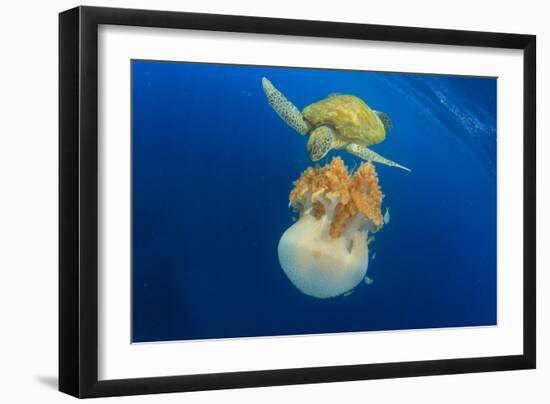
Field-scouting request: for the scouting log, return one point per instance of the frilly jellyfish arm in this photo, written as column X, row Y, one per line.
column 329, row 206
column 354, row 225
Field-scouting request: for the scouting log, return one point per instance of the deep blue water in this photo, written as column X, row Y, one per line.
column 212, row 169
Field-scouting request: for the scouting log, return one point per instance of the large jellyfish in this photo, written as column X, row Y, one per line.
column 325, row 253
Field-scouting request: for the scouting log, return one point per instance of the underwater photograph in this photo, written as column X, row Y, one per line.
column 278, row 201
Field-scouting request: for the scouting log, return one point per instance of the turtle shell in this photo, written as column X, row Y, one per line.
column 351, row 118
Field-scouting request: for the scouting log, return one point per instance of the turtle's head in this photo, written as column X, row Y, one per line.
column 385, row 119
column 320, row 142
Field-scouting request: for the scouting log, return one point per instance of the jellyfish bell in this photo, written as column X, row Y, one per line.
column 325, row 252
column 321, row 267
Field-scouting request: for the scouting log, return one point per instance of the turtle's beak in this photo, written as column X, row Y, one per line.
column 314, row 158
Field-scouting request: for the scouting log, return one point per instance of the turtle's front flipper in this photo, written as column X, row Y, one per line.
column 367, row 154
column 284, row 108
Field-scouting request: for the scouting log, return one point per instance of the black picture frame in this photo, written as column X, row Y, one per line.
column 78, row 201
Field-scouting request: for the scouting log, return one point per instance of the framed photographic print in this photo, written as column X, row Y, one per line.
column 251, row 201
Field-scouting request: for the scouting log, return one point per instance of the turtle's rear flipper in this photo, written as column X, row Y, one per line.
column 385, row 119
column 367, row 154
column 284, row 108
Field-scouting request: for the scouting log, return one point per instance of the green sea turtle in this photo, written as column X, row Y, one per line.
column 342, row 122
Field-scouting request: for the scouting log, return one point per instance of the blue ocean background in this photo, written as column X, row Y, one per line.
column 212, row 168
